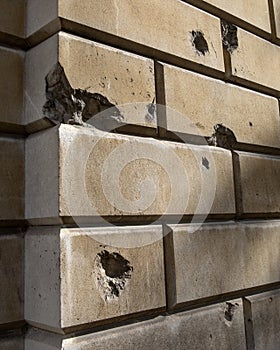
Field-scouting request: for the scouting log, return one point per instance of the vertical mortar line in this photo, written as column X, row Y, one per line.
column 227, row 57
column 160, row 99
column 237, row 184
column 169, row 267
column 248, row 323
column 272, row 19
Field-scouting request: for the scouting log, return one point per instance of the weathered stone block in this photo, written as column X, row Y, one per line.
column 263, row 318
column 11, row 276
column 103, row 175
column 215, row 259
column 254, row 58
column 12, row 17
column 253, row 12
column 76, row 277
column 196, row 103
column 11, row 88
column 259, row 180
column 11, row 343
column 174, row 28
column 117, row 77
column 12, row 179
column 216, row 327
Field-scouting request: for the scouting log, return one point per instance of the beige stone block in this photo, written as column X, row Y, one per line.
column 251, row 11
column 12, row 179
column 12, row 17
column 256, row 60
column 11, row 88
column 167, row 28
column 79, row 276
column 215, row 259
column 263, row 312
column 11, row 276
column 211, row 327
column 196, row 103
column 276, row 5
column 260, row 186
column 126, row 80
column 108, row 175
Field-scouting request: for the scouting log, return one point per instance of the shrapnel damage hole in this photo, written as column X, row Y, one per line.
column 230, row 310
column 222, row 137
column 113, row 272
column 199, row 42
column 229, row 36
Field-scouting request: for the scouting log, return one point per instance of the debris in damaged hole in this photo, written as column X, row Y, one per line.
column 222, row 137
column 229, row 36
column 76, row 106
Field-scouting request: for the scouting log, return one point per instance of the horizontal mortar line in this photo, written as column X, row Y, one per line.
column 12, row 329
column 10, row 223
column 239, row 22
column 212, row 300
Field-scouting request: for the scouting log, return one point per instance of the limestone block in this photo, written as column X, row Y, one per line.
column 256, row 60
column 101, row 174
column 120, row 79
column 253, row 12
column 11, row 276
column 216, row 327
column 12, row 179
column 174, row 28
column 216, row 259
column 11, row 343
column 276, row 5
column 264, row 319
column 76, row 277
column 201, row 102
column 260, row 186
column 12, row 17
column 11, row 88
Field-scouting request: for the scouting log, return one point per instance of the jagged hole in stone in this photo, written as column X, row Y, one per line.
column 229, row 36
column 230, row 310
column 199, row 42
column 113, row 273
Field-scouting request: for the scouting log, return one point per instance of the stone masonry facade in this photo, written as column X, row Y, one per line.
column 140, row 176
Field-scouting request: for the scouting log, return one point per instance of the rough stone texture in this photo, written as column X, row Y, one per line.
column 12, row 17
column 254, row 59
column 92, row 274
column 12, row 179
column 120, row 77
column 11, row 88
column 216, row 259
column 242, row 110
column 260, row 184
column 12, row 343
column 265, row 319
column 11, row 276
column 276, row 4
column 207, row 328
column 105, row 174
column 251, row 11
column 142, row 22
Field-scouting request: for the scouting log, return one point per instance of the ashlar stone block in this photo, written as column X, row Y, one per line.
column 77, row 277
column 89, row 173
column 215, row 259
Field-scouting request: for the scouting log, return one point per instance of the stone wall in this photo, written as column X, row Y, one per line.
column 140, row 191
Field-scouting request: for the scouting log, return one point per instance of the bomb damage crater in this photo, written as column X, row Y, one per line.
column 229, row 36
column 230, row 310
column 199, row 42
column 113, row 272
column 222, row 137
column 76, row 106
